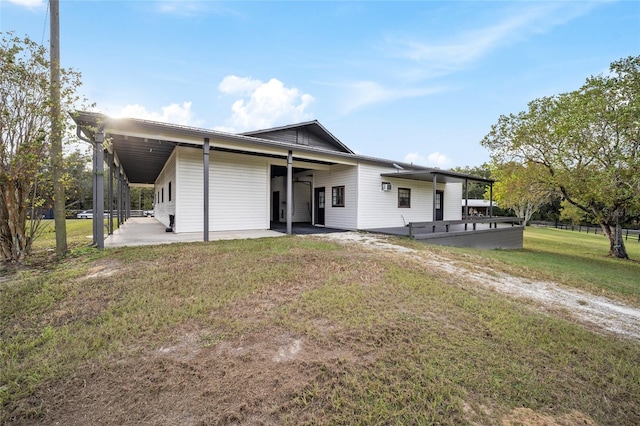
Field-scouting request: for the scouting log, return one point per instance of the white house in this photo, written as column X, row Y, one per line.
column 206, row 180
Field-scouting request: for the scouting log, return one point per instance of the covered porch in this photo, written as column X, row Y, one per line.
column 482, row 233
column 467, row 230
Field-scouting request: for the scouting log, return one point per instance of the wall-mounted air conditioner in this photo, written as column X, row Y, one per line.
column 386, row 186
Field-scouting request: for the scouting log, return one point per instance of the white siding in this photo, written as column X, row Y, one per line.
column 238, row 192
column 339, row 175
column 452, row 199
column 163, row 207
column 379, row 209
column 190, row 207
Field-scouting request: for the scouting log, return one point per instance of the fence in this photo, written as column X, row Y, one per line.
column 633, row 233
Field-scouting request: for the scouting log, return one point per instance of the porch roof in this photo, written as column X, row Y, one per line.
column 430, row 174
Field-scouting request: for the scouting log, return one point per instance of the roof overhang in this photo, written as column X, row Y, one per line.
column 430, row 175
column 142, row 147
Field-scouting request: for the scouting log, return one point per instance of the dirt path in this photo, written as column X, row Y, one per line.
column 596, row 311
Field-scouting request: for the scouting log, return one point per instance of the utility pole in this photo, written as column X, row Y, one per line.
column 56, row 131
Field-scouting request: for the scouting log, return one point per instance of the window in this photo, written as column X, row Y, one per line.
column 404, row 198
column 169, row 191
column 162, row 196
column 337, row 196
column 158, row 197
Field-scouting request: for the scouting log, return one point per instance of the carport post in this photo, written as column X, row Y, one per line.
column 99, row 211
column 289, row 191
column 111, row 162
column 120, row 190
column 205, row 195
column 491, row 200
column 466, row 199
column 94, row 182
column 128, row 205
column 435, row 186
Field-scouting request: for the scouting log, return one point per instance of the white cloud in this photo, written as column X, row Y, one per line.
column 438, row 160
column 448, row 55
column 31, row 4
column 435, row 159
column 234, row 85
column 364, row 93
column 263, row 105
column 414, row 158
column 173, row 113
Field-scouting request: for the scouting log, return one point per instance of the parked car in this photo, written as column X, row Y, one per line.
column 148, row 213
column 88, row 214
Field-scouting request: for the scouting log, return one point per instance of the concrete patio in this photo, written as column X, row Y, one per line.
column 141, row 231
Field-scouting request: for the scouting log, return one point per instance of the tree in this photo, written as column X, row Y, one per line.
column 571, row 213
column 519, row 188
column 587, row 142
column 77, row 179
column 141, row 198
column 24, row 138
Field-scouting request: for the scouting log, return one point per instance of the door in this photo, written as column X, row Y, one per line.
column 319, row 206
column 275, row 206
column 439, row 204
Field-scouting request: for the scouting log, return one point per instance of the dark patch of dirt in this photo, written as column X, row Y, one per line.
column 248, row 380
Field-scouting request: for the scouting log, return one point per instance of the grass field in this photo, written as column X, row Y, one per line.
column 572, row 258
column 305, row 331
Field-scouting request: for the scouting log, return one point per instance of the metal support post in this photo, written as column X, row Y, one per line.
column 205, row 195
column 99, row 211
column 289, row 192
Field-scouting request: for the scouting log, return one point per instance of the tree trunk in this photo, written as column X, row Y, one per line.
column 14, row 241
column 616, row 242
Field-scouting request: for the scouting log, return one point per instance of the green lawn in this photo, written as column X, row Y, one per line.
column 573, row 258
column 304, row 331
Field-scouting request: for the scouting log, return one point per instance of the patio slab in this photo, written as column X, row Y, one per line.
column 142, row 231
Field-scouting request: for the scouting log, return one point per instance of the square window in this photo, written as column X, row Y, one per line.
column 337, row 196
column 404, row 198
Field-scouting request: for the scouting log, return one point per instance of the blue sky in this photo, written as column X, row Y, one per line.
column 419, row 81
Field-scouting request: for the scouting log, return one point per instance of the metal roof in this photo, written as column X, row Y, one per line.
column 313, row 127
column 440, row 175
column 142, row 147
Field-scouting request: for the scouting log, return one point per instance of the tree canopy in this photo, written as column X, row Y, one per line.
column 518, row 188
column 25, row 125
column 587, row 143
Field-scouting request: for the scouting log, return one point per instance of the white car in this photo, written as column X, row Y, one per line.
column 148, row 213
column 88, row 214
